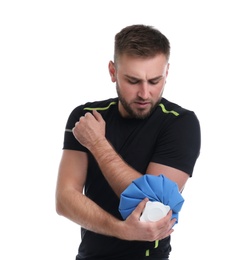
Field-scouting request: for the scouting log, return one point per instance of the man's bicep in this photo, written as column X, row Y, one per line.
column 171, row 173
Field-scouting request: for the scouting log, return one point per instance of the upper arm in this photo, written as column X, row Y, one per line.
column 72, row 171
column 171, row 173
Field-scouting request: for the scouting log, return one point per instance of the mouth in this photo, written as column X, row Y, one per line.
column 142, row 104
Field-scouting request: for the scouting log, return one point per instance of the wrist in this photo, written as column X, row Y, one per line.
column 121, row 230
column 97, row 144
column 102, row 150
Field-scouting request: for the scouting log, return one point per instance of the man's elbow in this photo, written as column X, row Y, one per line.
column 58, row 204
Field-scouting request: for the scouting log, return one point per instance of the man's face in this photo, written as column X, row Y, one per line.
column 139, row 83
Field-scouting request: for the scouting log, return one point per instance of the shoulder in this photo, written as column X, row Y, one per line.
column 168, row 107
column 176, row 115
column 101, row 105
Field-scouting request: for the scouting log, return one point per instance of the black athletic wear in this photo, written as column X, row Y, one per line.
column 169, row 136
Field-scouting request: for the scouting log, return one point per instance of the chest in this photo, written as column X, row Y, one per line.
column 134, row 140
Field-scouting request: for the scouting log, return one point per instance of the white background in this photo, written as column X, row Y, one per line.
column 54, row 56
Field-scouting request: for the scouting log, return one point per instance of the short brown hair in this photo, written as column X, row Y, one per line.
column 141, row 41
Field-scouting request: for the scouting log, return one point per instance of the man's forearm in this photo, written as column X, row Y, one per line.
column 90, row 132
column 84, row 212
column 116, row 171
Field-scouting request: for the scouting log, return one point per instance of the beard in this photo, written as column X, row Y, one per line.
column 136, row 113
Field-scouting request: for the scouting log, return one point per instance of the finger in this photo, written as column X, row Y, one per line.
column 74, row 132
column 75, row 125
column 97, row 116
column 173, row 222
column 140, row 207
column 86, row 114
column 170, row 213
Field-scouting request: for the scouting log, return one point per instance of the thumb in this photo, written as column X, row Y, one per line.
column 140, row 207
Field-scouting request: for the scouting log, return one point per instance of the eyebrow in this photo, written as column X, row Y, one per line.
column 134, row 78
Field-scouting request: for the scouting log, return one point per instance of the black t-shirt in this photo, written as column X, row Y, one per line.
column 169, row 136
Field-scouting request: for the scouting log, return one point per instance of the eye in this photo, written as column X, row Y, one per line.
column 154, row 82
column 133, row 82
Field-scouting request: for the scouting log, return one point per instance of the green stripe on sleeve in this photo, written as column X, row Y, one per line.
column 99, row 108
column 167, row 111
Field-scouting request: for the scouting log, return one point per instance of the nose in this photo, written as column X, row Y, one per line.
column 143, row 91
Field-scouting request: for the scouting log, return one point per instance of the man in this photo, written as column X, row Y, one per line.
column 110, row 143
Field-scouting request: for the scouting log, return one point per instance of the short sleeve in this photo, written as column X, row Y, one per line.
column 70, row 141
column 178, row 144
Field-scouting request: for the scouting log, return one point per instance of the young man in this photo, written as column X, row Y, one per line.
column 110, row 143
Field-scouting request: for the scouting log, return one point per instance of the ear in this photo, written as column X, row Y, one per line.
column 112, row 71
